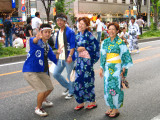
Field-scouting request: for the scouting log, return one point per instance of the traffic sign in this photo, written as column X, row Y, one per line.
column 22, row 2
column 23, row 8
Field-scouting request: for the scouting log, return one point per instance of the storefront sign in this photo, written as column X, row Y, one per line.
column 1, row 20
column 13, row 4
column 16, row 19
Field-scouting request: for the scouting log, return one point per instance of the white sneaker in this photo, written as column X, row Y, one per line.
column 137, row 51
column 47, row 103
column 69, row 96
column 65, row 92
column 41, row 112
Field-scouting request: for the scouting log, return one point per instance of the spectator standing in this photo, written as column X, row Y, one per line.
column 36, row 23
column 8, row 30
column 140, row 23
column 29, row 33
column 99, row 28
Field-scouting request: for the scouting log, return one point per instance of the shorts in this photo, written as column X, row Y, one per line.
column 39, row 81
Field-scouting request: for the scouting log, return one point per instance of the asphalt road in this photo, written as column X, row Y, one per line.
column 142, row 99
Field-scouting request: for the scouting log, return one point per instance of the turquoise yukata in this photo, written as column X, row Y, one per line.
column 112, row 67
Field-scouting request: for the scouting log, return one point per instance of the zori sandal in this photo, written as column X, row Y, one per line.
column 78, row 108
column 91, row 107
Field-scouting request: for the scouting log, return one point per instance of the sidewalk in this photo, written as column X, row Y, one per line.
column 23, row 57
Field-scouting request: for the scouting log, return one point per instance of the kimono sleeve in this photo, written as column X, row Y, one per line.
column 51, row 55
column 138, row 30
column 126, row 59
column 93, row 48
column 103, row 53
column 72, row 40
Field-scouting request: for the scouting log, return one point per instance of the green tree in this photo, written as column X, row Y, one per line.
column 64, row 7
column 47, row 6
column 155, row 5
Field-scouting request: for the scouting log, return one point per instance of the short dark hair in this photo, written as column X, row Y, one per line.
column 133, row 17
column 62, row 15
column 29, row 20
column 45, row 25
column 7, row 16
column 98, row 16
column 36, row 14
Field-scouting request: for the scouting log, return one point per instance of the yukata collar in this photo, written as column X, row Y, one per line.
column 115, row 39
column 84, row 32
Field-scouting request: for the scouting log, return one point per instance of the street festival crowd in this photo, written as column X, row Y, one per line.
column 77, row 51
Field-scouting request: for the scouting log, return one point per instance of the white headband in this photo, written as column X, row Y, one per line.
column 46, row 28
column 63, row 18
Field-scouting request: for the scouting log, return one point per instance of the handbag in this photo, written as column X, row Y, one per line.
column 124, row 84
column 51, row 68
column 72, row 75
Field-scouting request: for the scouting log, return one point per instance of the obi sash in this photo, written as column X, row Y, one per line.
column 113, row 58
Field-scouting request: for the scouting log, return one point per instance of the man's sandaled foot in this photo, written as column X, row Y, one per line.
column 91, row 106
column 114, row 115
column 78, row 107
column 108, row 112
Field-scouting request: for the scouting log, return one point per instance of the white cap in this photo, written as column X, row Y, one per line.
column 51, row 21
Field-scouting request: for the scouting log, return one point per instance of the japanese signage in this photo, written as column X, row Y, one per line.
column 13, row 3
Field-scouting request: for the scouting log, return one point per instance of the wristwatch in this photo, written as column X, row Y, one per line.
column 70, row 55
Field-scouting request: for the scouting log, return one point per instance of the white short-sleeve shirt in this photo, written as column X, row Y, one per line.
column 99, row 25
column 36, row 22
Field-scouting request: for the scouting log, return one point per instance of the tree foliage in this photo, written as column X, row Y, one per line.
column 64, row 7
column 155, row 6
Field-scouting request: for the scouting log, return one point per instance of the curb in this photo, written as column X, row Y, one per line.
column 23, row 57
column 12, row 59
column 148, row 39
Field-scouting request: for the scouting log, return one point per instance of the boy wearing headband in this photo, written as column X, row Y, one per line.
column 65, row 43
column 35, row 67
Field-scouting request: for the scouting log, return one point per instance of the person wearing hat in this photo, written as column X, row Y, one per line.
column 35, row 67
column 134, row 32
column 51, row 24
column 65, row 43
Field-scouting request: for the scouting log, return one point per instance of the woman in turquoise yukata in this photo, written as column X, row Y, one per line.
column 115, row 57
column 87, row 53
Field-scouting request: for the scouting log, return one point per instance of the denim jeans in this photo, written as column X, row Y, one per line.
column 61, row 64
column 10, row 39
column 98, row 36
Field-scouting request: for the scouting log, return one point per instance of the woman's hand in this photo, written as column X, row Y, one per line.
column 80, row 49
column 101, row 72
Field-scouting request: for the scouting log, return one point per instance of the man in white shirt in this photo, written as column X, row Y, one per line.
column 65, row 43
column 140, row 23
column 36, row 23
column 99, row 28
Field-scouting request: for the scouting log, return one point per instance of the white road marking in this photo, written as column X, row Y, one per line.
column 156, row 118
column 149, row 42
column 11, row 63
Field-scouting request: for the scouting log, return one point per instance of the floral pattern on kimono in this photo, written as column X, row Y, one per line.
column 113, row 93
column 84, row 78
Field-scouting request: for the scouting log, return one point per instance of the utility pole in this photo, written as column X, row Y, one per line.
column 148, row 14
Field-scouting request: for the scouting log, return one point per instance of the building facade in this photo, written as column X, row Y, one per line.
column 110, row 10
